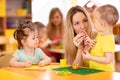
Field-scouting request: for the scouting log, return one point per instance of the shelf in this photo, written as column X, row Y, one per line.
column 9, row 16
column 2, row 25
column 17, row 12
column 12, row 13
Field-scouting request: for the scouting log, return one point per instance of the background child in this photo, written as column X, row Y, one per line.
column 102, row 55
column 43, row 40
column 28, row 53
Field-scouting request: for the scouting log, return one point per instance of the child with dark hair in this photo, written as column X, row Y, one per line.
column 28, row 53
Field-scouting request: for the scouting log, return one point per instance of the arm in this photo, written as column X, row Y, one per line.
column 78, row 42
column 108, row 58
column 55, row 42
column 45, row 44
column 45, row 61
column 78, row 59
column 15, row 63
column 48, row 43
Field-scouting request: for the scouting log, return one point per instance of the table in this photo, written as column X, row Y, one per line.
column 61, row 51
column 13, row 73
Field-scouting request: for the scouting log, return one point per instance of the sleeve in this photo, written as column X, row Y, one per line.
column 40, row 53
column 108, row 45
column 16, row 54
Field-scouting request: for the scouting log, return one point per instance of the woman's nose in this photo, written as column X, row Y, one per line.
column 37, row 40
column 82, row 26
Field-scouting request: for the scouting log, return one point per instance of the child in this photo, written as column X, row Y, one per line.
column 102, row 55
column 28, row 53
column 43, row 41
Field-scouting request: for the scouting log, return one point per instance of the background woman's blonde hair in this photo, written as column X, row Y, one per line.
column 70, row 49
column 109, row 13
column 51, row 27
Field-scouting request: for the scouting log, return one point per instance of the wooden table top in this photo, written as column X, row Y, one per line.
column 13, row 73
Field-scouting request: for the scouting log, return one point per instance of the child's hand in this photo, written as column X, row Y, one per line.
column 78, row 39
column 89, row 42
column 93, row 41
column 43, row 62
column 86, row 55
column 27, row 64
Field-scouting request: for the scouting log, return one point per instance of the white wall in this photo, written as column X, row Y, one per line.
column 41, row 8
column 115, row 3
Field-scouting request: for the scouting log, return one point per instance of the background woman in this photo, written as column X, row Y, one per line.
column 55, row 29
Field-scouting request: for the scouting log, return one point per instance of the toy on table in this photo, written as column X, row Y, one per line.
column 63, row 63
column 75, row 66
column 37, row 69
column 63, row 73
column 42, row 68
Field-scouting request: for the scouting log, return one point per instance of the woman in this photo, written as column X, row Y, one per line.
column 55, row 25
column 54, row 31
column 77, row 20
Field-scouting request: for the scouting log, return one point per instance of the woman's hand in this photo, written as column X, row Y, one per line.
column 78, row 39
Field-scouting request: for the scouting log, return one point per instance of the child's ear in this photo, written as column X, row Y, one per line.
column 23, row 41
column 102, row 23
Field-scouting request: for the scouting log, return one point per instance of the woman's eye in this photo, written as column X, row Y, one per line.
column 76, row 23
column 33, row 38
column 85, row 20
